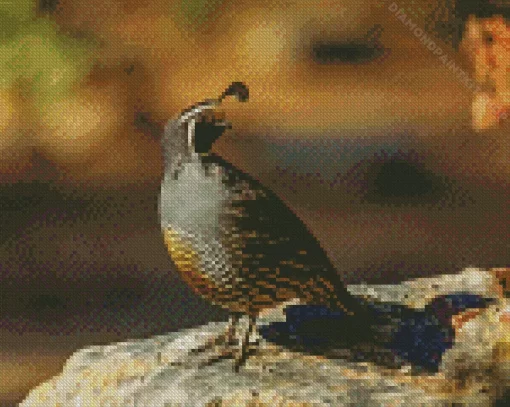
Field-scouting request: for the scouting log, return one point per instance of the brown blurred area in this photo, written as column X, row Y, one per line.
column 351, row 120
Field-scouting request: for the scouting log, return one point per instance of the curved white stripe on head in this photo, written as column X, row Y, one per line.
column 191, row 114
column 194, row 111
column 191, row 131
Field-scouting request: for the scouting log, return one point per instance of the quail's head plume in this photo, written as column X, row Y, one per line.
column 237, row 89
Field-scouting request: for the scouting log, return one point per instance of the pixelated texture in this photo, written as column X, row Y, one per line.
column 378, row 130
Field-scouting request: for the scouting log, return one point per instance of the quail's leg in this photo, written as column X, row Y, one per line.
column 233, row 343
column 232, row 329
column 246, row 347
column 225, row 341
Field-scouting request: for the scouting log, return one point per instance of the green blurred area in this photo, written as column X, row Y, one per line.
column 197, row 13
column 45, row 63
column 35, row 56
column 17, row 10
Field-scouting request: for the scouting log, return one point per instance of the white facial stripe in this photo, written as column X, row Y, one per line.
column 191, row 131
column 186, row 116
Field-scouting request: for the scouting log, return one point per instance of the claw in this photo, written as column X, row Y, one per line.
column 226, row 345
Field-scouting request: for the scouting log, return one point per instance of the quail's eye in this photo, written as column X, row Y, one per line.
column 347, row 52
column 488, row 38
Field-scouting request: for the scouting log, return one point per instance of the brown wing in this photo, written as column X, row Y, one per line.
column 278, row 257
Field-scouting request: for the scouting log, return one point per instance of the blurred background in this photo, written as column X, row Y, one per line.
column 398, row 167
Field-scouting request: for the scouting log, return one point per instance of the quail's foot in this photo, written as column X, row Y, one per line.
column 236, row 344
column 231, row 344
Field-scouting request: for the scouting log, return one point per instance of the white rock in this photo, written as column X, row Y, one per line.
column 140, row 372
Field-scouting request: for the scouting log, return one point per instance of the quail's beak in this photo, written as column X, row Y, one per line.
column 224, row 123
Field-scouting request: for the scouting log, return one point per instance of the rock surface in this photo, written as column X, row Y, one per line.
column 146, row 372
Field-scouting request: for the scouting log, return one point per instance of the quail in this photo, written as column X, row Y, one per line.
column 232, row 239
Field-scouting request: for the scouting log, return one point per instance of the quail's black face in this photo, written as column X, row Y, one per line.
column 206, row 133
column 211, row 124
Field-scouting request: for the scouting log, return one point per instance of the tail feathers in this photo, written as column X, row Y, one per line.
column 353, row 306
column 335, row 295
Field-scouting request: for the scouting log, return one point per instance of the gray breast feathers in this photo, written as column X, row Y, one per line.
column 194, row 199
column 174, row 145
